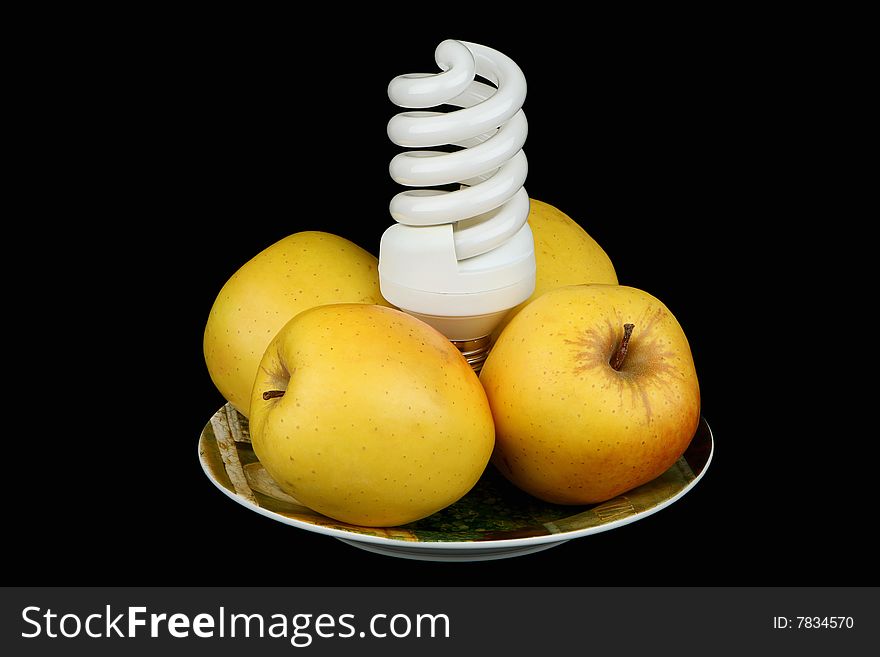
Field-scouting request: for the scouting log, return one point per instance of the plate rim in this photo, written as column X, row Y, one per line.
column 456, row 545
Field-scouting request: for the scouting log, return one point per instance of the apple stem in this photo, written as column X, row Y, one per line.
column 272, row 394
column 618, row 356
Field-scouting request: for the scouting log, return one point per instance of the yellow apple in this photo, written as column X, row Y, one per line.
column 369, row 416
column 564, row 255
column 586, row 409
column 302, row 270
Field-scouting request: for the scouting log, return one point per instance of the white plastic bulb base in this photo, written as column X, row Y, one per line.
column 463, row 299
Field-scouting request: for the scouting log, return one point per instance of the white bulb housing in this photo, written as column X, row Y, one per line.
column 460, row 260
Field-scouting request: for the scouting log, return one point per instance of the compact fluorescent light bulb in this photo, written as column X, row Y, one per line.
column 460, row 260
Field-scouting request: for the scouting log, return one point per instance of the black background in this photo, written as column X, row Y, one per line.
column 178, row 152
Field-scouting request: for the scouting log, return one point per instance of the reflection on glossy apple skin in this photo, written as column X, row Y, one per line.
column 571, row 429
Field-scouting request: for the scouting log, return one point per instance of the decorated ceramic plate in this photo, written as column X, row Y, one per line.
column 494, row 520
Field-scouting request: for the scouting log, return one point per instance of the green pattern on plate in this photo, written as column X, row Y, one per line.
column 493, row 509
